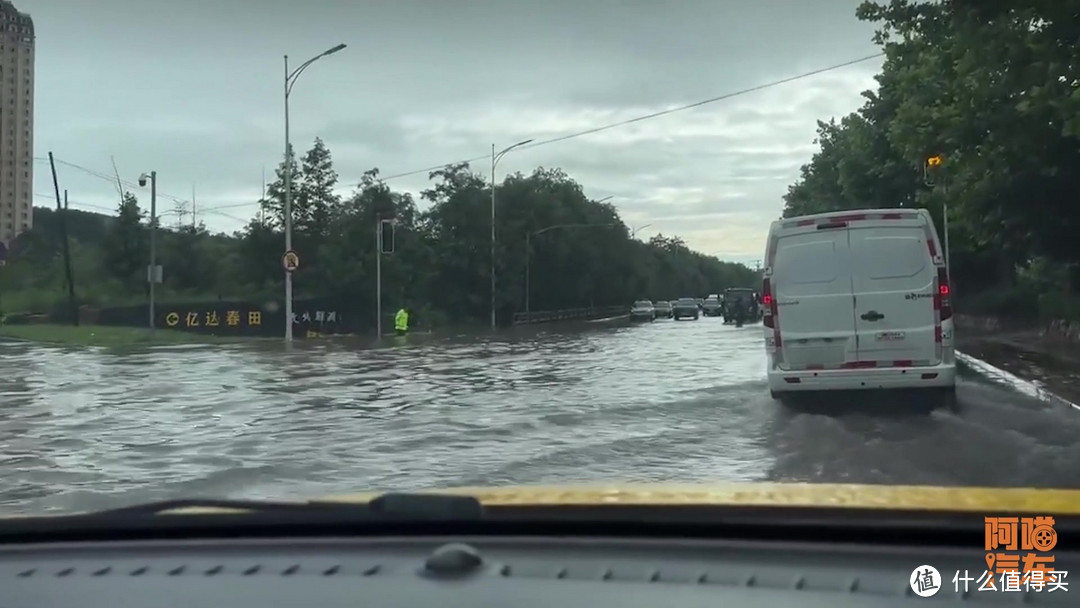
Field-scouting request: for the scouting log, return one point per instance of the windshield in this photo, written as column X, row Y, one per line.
column 321, row 249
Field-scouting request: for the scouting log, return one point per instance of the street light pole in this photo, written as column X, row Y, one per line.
column 634, row 231
column 528, row 258
column 290, row 80
column 151, row 272
column 494, row 161
column 528, row 253
column 378, row 277
column 153, row 242
column 288, row 212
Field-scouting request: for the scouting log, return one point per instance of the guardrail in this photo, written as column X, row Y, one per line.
column 569, row 314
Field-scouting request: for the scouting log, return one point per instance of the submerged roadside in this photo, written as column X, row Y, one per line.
column 1031, row 353
column 103, row 335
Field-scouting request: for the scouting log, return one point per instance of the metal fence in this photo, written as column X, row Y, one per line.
column 570, row 314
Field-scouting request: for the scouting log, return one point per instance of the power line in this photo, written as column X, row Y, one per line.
column 76, row 204
column 623, row 123
column 132, row 185
column 109, row 178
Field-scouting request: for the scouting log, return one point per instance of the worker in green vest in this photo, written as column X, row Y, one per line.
column 401, row 322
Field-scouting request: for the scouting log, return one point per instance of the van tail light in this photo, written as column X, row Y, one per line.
column 832, row 225
column 768, row 304
column 943, row 297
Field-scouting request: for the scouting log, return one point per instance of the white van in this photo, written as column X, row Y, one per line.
column 858, row 300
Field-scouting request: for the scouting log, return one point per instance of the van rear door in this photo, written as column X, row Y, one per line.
column 894, row 281
column 811, row 286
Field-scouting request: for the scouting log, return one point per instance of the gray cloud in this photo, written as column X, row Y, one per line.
column 193, row 90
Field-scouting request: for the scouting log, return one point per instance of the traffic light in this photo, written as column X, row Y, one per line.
column 932, row 168
column 386, row 236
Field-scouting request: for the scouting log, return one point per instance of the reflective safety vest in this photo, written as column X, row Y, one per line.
column 401, row 320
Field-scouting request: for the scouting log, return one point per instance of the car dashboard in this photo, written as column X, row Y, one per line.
column 489, row 570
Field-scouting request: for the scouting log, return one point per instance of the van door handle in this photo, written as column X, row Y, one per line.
column 873, row 315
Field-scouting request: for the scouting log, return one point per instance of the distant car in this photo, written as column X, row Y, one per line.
column 711, row 306
column 858, row 300
column 642, row 310
column 663, row 309
column 685, row 307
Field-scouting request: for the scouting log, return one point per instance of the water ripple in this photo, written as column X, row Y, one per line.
column 92, row 428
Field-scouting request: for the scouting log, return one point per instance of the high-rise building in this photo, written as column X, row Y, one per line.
column 16, row 122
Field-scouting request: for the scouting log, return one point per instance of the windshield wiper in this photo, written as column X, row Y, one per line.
column 387, row 513
column 442, row 514
column 398, row 505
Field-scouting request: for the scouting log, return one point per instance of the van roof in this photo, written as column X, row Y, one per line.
column 888, row 213
column 779, row 227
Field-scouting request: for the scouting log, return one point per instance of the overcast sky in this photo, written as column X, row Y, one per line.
column 194, row 90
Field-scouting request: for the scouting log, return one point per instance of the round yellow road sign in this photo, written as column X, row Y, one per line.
column 290, row 261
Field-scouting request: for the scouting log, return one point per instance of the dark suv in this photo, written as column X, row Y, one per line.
column 749, row 301
column 685, row 307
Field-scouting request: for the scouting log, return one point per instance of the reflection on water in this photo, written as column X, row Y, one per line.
column 90, row 428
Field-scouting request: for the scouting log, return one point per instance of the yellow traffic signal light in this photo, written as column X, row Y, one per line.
column 934, row 165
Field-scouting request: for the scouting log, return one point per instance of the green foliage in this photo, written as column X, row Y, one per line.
column 991, row 86
column 580, row 252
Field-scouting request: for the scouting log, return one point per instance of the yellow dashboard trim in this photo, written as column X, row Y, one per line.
column 962, row 499
column 976, row 500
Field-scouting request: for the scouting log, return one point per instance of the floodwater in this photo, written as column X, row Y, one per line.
column 665, row 401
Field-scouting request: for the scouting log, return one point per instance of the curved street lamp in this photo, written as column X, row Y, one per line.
column 528, row 249
column 634, row 231
column 290, row 80
column 495, row 158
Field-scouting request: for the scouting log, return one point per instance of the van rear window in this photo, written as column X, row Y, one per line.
column 807, row 262
column 894, row 257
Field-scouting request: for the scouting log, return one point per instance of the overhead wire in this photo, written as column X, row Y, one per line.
column 649, row 116
column 77, row 205
column 132, row 185
column 636, row 119
column 552, row 140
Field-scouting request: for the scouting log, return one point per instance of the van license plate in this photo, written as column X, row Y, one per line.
column 889, row 336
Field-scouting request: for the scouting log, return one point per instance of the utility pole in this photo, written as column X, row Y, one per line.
column 378, row 277
column 60, row 209
column 492, row 237
column 152, row 275
column 934, row 167
column 67, row 264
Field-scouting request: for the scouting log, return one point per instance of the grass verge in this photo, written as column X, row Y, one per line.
column 102, row 335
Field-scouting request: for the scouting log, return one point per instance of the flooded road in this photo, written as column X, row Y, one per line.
column 93, row 428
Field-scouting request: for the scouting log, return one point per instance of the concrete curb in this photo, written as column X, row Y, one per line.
column 608, row 319
column 1028, row 387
